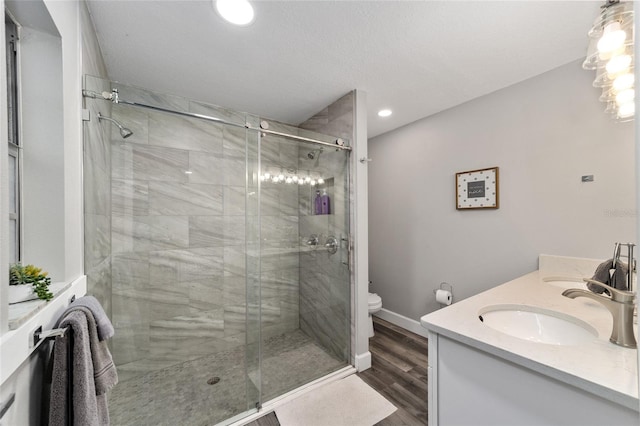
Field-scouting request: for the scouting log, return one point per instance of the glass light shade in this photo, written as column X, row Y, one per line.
column 602, row 77
column 289, row 179
column 612, row 39
column 626, row 110
column 623, row 81
column 604, row 33
column 625, row 97
column 611, row 108
column 608, row 95
column 618, row 65
column 267, row 175
column 320, row 181
column 592, row 60
column 605, row 56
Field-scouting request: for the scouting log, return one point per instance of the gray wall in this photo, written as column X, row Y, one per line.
column 544, row 134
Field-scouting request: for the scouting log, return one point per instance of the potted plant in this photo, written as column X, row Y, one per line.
column 20, row 276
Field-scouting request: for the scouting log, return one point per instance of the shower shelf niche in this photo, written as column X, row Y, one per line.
column 328, row 185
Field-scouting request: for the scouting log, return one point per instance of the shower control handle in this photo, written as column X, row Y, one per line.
column 313, row 240
column 331, row 245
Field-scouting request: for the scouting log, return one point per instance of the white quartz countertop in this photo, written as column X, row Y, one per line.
column 598, row 366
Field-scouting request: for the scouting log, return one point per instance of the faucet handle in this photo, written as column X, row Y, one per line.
column 616, row 295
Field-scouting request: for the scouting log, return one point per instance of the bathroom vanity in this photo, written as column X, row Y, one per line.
column 537, row 358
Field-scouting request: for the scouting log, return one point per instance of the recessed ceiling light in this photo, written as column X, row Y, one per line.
column 384, row 113
column 238, row 12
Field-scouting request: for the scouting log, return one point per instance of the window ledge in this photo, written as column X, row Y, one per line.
column 17, row 345
column 19, row 313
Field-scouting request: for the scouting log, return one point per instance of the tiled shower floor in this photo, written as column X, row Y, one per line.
column 180, row 394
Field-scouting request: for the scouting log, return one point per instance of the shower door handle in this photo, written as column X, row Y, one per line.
column 347, row 241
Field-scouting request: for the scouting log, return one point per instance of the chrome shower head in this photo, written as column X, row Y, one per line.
column 124, row 132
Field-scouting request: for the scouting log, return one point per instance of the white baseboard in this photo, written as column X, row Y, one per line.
column 402, row 321
column 363, row 361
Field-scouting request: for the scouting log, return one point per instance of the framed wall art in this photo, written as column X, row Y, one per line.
column 477, row 189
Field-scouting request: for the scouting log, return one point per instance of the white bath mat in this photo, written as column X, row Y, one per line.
column 345, row 402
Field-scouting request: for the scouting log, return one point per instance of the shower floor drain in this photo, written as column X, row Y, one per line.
column 213, row 380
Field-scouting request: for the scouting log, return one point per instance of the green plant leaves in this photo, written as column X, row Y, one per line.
column 30, row 274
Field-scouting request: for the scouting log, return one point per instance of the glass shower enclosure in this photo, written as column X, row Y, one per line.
column 218, row 243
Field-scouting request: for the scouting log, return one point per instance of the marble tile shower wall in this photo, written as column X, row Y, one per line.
column 326, row 287
column 178, row 239
column 97, row 197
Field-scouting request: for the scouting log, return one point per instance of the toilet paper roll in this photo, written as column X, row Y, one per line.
column 444, row 297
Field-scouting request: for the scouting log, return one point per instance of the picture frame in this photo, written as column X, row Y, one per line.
column 478, row 189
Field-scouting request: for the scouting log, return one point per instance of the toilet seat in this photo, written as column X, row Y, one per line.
column 375, row 306
column 375, row 302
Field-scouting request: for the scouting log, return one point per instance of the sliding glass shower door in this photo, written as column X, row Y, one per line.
column 226, row 287
column 304, row 259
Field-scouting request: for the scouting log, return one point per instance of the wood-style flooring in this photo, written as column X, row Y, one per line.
column 398, row 372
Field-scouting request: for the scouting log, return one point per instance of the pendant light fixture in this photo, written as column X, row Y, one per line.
column 611, row 55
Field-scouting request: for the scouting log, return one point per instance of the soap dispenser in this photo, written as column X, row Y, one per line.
column 317, row 209
column 325, row 202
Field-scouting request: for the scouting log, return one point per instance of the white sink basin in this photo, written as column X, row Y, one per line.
column 537, row 324
column 566, row 282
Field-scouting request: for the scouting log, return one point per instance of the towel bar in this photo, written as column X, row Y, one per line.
column 630, row 259
column 39, row 335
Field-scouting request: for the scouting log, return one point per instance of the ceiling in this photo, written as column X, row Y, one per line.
column 414, row 57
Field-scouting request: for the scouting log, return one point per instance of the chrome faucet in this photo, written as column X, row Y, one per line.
column 620, row 304
column 313, row 240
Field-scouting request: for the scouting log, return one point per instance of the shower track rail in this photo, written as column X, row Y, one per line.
column 115, row 98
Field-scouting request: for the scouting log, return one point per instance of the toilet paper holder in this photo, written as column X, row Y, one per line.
column 444, row 286
column 444, row 294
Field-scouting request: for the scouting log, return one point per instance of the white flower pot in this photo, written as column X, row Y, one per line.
column 21, row 293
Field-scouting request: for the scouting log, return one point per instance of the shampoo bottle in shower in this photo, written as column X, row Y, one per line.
column 325, row 202
column 317, row 209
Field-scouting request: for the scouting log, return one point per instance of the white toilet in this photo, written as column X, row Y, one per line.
column 375, row 304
